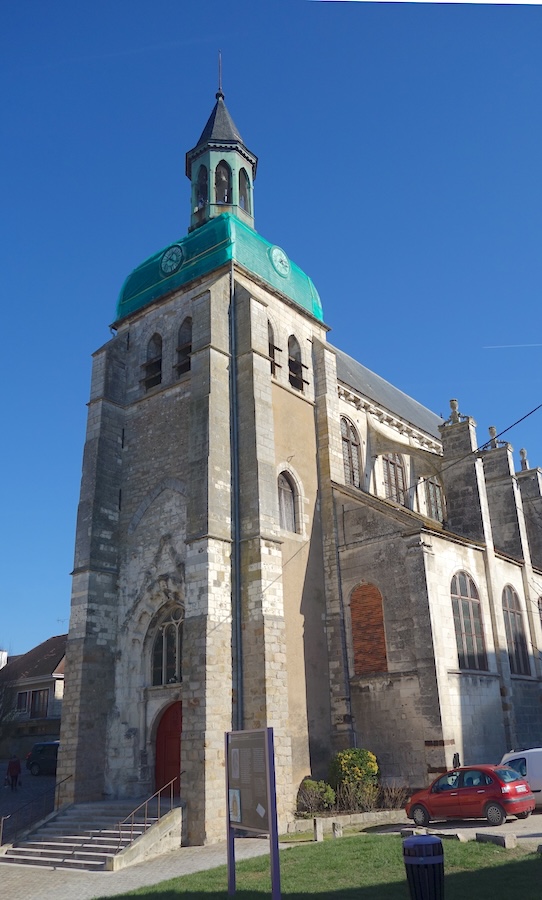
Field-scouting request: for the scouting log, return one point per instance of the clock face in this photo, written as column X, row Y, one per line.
column 280, row 261
column 171, row 260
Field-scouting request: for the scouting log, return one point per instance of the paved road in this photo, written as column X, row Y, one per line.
column 35, row 796
column 33, row 883
column 528, row 831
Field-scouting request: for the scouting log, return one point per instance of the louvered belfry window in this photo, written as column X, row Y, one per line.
column 184, row 347
column 153, row 365
column 295, row 366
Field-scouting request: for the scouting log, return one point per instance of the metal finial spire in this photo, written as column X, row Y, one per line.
column 220, row 94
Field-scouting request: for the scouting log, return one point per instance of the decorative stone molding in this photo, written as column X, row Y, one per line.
column 417, row 437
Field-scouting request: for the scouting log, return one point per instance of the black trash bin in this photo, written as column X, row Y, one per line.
column 424, row 863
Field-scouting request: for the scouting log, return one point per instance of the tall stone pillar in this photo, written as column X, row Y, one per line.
column 530, row 485
column 463, row 477
column 207, row 689
column 90, row 652
column 331, row 469
column 262, row 654
column 504, row 498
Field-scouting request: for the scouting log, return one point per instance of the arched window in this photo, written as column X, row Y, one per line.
column 244, row 191
column 351, row 453
column 434, row 499
column 368, row 635
column 394, row 478
column 202, row 187
column 273, row 349
column 295, row 366
column 515, row 633
column 469, row 633
column 167, row 650
column 153, row 365
column 287, row 514
column 223, row 182
column 184, row 347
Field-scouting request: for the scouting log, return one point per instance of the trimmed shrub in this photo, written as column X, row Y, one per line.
column 315, row 796
column 354, row 766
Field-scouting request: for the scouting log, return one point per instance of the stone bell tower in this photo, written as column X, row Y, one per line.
column 190, row 585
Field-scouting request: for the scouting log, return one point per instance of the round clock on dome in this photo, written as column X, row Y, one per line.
column 280, row 261
column 171, row 260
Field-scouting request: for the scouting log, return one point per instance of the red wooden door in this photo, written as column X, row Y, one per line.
column 168, row 747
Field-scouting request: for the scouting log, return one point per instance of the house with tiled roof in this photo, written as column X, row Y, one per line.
column 32, row 688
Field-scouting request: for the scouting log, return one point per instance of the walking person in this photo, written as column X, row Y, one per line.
column 14, row 771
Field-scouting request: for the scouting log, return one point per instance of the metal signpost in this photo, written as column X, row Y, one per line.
column 251, row 796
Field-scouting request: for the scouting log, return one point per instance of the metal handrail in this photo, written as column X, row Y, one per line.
column 31, row 803
column 130, row 818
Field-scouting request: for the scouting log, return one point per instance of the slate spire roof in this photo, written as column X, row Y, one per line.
column 220, row 126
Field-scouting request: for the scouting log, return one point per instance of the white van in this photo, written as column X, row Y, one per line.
column 529, row 765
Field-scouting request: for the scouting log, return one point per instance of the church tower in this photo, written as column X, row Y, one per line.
column 198, row 585
column 221, row 169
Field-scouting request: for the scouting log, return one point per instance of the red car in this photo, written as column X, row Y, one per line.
column 493, row 792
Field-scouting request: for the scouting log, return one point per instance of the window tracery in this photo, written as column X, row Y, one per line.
column 515, row 632
column 469, row 632
column 167, row 649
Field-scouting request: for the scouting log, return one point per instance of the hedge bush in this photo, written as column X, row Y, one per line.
column 315, row 796
column 354, row 767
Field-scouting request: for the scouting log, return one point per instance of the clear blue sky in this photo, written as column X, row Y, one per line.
column 399, row 155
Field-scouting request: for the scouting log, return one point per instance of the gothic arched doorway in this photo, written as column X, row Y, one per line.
column 168, row 747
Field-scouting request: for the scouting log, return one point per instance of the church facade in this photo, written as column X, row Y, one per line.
column 269, row 534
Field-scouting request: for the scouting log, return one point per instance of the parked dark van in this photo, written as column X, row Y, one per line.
column 42, row 758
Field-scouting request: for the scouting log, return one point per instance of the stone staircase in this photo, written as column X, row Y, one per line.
column 82, row 836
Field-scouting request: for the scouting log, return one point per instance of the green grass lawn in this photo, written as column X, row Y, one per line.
column 364, row 867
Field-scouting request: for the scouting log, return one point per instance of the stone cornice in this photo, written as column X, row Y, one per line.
column 418, row 438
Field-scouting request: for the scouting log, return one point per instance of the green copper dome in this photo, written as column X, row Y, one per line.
column 207, row 248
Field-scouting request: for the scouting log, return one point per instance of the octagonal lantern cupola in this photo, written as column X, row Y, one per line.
column 221, row 170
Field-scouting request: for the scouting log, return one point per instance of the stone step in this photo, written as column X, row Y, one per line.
column 60, row 855
column 84, row 836
column 98, row 838
column 110, row 847
column 93, row 827
column 53, row 863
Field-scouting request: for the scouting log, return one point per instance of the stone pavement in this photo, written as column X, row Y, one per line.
column 41, row 883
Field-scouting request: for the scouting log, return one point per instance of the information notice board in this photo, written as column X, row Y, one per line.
column 248, row 800
column 251, row 795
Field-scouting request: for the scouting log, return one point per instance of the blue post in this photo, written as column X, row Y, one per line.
column 423, row 856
